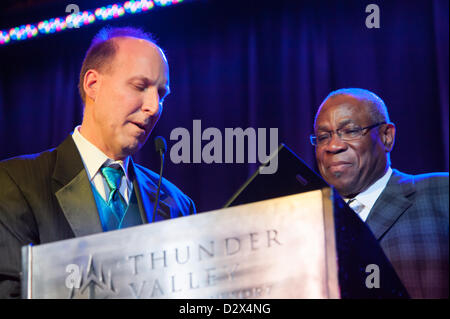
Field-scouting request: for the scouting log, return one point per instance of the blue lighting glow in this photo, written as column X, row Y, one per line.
column 77, row 20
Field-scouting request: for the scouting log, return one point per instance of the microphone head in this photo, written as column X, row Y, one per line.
column 160, row 144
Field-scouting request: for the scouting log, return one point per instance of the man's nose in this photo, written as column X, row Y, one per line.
column 151, row 103
column 336, row 144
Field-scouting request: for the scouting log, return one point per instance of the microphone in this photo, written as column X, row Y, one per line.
column 160, row 147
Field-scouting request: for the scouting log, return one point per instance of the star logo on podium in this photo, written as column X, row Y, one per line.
column 92, row 284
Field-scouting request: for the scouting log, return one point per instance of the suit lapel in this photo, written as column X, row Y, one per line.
column 392, row 203
column 73, row 191
column 145, row 190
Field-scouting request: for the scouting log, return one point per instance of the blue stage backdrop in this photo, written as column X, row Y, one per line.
column 260, row 64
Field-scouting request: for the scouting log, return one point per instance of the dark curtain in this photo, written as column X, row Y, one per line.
column 260, row 64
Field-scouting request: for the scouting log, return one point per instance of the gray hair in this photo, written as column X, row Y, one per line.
column 377, row 109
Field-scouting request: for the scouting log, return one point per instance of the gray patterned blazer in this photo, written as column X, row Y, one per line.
column 410, row 219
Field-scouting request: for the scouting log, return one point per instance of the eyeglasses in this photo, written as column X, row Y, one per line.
column 345, row 134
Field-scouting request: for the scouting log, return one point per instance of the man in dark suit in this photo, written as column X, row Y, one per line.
column 89, row 183
column 409, row 215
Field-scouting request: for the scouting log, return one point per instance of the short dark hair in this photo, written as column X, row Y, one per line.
column 102, row 50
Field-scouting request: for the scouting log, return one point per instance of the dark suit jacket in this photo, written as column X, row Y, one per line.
column 410, row 219
column 47, row 197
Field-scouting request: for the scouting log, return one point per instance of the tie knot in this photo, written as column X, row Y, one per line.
column 356, row 205
column 113, row 176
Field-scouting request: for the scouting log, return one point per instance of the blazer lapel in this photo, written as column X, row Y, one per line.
column 73, row 191
column 391, row 204
column 145, row 190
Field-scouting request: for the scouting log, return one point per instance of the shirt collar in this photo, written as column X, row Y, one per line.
column 370, row 195
column 93, row 158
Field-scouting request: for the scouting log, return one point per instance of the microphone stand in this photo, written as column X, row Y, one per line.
column 160, row 145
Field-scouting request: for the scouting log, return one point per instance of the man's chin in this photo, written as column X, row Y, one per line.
column 131, row 148
column 343, row 184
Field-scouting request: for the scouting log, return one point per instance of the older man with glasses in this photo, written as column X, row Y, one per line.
column 408, row 214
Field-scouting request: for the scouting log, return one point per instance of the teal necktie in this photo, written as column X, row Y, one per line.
column 116, row 202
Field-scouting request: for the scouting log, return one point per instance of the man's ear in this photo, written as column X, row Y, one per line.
column 388, row 136
column 91, row 84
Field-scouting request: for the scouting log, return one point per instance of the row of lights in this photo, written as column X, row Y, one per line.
column 76, row 20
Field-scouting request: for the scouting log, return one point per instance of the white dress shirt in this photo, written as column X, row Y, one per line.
column 370, row 195
column 93, row 159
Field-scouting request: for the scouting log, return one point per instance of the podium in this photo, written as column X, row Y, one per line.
column 305, row 245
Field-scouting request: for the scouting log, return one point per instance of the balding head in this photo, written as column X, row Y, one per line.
column 103, row 49
column 124, row 95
